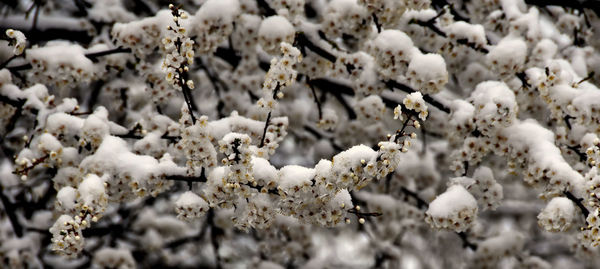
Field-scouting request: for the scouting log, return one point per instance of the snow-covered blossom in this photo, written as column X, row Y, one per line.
column 371, row 108
column 494, row 248
column 67, row 238
column 142, row 36
column 483, row 187
column 273, row 31
column 235, row 146
column 427, row 72
column 113, row 258
column 346, row 17
column 18, row 41
column 495, row 106
column 508, row 56
column 197, row 146
column 398, row 113
column 455, row 209
column 393, row 51
column 214, row 22
column 329, row 119
column 558, row 215
column 91, row 199
column 190, row 206
column 60, row 64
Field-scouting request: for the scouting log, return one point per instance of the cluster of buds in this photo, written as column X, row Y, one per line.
column 179, row 49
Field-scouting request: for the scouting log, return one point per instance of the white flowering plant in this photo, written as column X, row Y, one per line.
column 300, row 134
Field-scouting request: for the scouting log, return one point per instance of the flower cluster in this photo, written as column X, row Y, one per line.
column 558, row 215
column 483, row 187
column 235, row 146
column 590, row 235
column 371, row 108
column 67, row 238
column 190, row 206
column 197, row 147
column 113, row 258
column 427, row 72
column 393, row 51
column 292, row 8
column 142, row 36
column 273, row 31
column 66, row 200
column 214, row 23
column 179, row 52
column 276, row 132
column 495, row 106
column 281, row 74
column 60, row 64
column 461, row 122
column 346, row 17
column 258, row 212
column 508, row 56
column 245, row 34
column 455, row 209
column 388, row 12
column 494, row 248
column 362, row 69
column 414, row 101
column 91, row 200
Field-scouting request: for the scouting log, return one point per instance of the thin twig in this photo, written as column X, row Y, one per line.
column 262, row 140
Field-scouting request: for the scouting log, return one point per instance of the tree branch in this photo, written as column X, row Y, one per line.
column 578, row 202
